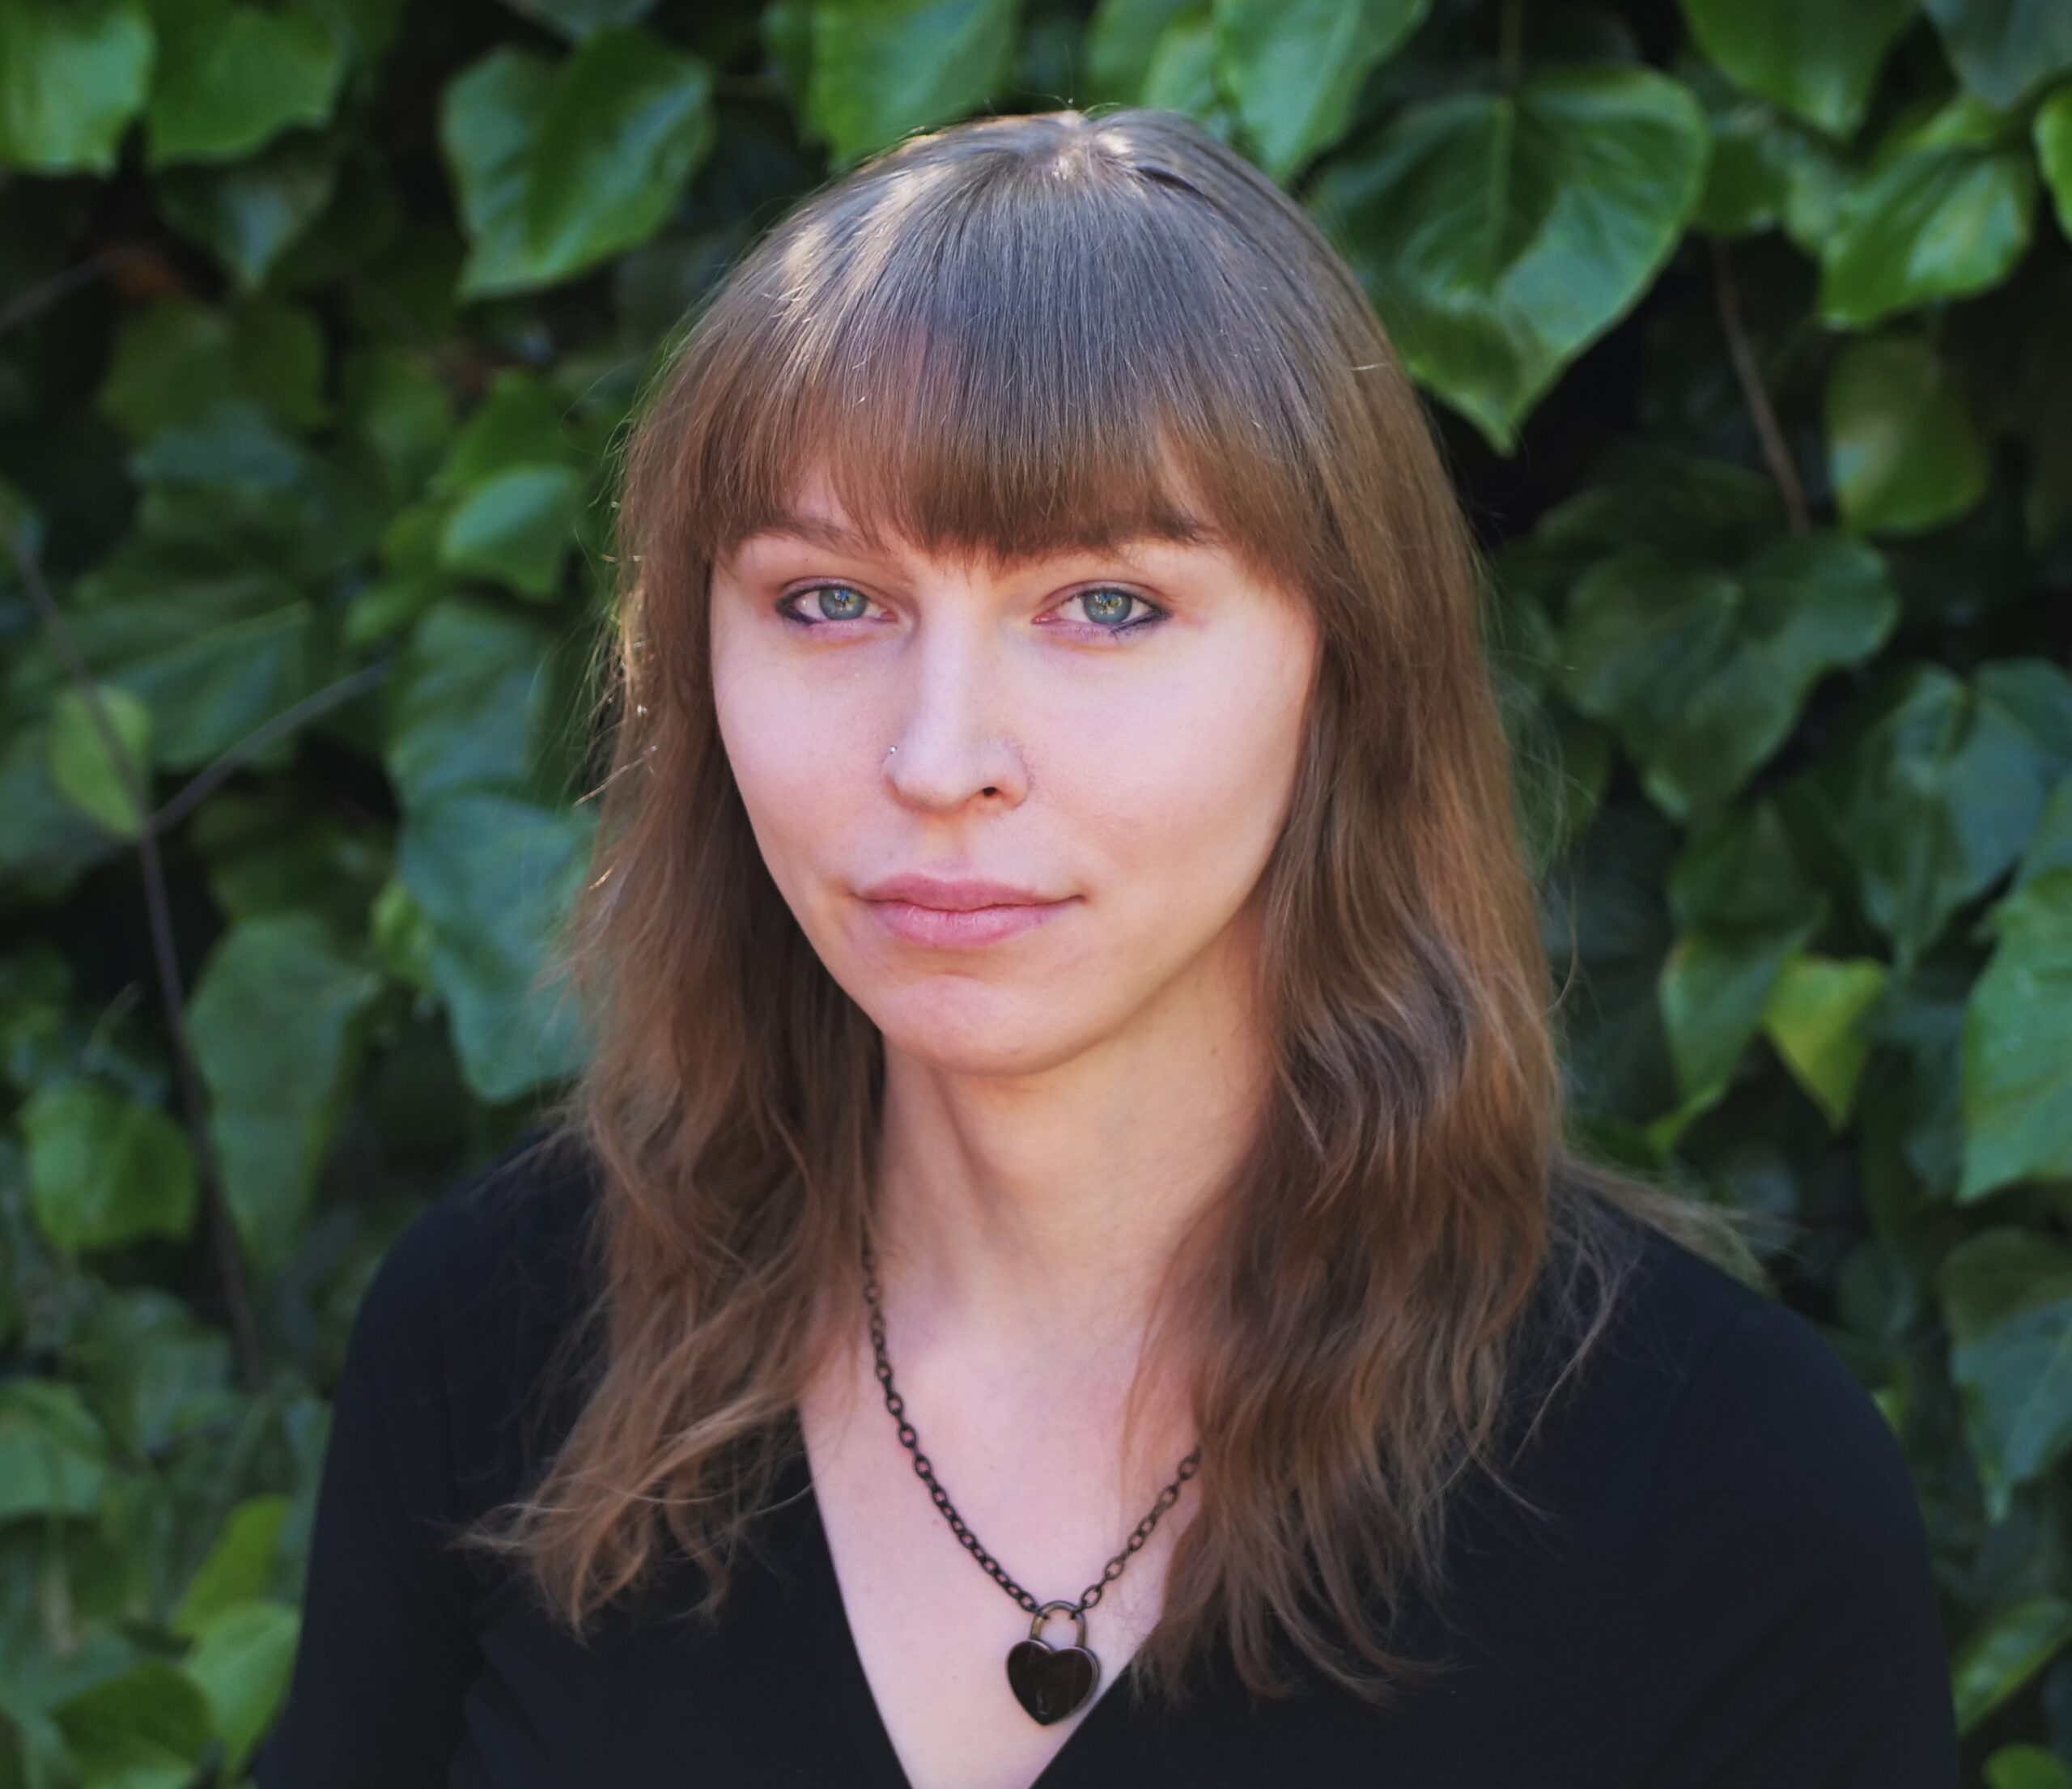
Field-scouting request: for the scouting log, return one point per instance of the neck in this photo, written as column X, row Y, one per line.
column 1026, row 1221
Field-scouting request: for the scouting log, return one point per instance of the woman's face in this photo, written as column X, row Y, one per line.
column 1114, row 736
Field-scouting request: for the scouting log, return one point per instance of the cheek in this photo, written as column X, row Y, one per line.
column 786, row 752
column 1185, row 799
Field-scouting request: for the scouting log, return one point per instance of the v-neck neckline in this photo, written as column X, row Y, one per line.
column 850, row 1683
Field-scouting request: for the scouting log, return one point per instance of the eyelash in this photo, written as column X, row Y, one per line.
column 1155, row 615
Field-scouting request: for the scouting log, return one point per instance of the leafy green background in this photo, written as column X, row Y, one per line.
column 1744, row 322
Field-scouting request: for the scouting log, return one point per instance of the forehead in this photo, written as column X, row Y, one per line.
column 817, row 516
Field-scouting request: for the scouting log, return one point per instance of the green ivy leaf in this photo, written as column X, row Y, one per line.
column 2051, row 130
column 1500, row 234
column 1813, row 1018
column 2038, row 694
column 1746, row 906
column 389, row 606
column 54, row 1455
column 73, row 74
column 2018, row 1043
column 576, row 19
column 231, row 442
column 401, row 938
column 45, row 842
column 1182, row 76
column 558, row 167
column 1714, row 987
column 1702, row 671
column 2006, row 1296
column 175, row 359
column 520, row 422
column 401, row 408
column 489, row 121
column 1682, row 504
column 155, row 1371
column 1904, row 454
column 1944, row 210
column 1818, row 180
column 469, row 702
column 784, row 31
column 2024, row 1766
column 1817, row 59
column 1294, row 68
column 2004, row 51
column 1607, row 929
column 89, row 770
column 105, row 1170
column 2004, row 1650
column 365, row 29
column 208, row 636
column 144, row 1729
column 1121, row 38
column 1922, row 1018
column 628, row 121
column 2050, row 845
column 265, row 853
column 495, row 876
column 231, row 77
column 242, row 1660
column 882, row 68
column 239, row 1566
column 249, row 214
column 1937, row 787
column 276, row 1020
column 1756, row 152
column 516, row 527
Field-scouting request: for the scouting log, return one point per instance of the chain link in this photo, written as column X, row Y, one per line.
column 897, row 1405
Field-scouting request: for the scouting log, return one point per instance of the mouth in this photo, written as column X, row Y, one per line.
column 953, row 894
column 960, row 915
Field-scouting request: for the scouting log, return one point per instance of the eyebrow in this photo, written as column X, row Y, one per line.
column 820, row 531
column 832, row 536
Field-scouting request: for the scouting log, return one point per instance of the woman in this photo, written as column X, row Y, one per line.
column 1063, row 1267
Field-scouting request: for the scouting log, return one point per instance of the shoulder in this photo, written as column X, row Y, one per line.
column 1707, row 1412
column 518, row 1223
column 1781, row 1608
column 1757, row 1412
column 1604, row 1407
column 480, row 1308
column 1730, row 1543
column 1775, row 1457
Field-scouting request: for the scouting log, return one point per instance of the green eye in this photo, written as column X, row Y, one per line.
column 853, row 607
column 839, row 609
column 1104, row 604
column 1108, row 604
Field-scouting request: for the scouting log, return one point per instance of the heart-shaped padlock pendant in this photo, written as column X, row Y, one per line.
column 1051, row 1681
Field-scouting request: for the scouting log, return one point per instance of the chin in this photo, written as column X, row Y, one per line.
column 974, row 1030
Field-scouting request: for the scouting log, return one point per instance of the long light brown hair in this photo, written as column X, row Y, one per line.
column 1000, row 339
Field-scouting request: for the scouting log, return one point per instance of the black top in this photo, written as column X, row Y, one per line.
column 1736, row 1589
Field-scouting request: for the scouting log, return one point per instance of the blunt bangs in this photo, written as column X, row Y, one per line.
column 1048, row 364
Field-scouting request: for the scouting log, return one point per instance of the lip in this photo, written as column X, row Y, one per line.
column 957, row 912
column 953, row 894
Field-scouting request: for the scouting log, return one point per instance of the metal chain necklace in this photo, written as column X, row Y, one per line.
column 1050, row 1682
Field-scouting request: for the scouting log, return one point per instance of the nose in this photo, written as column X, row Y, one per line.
column 952, row 745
